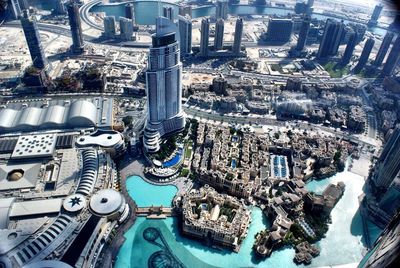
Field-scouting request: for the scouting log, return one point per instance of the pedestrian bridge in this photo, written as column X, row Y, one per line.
column 155, row 212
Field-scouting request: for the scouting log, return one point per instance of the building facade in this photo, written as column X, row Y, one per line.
column 76, row 27
column 221, row 10
column 351, row 44
column 237, row 42
column 384, row 48
column 305, row 27
column 331, row 39
column 163, row 86
column 279, row 30
column 109, row 26
column 185, row 34
column 369, row 45
column 204, row 37
column 219, row 34
column 393, row 58
column 32, row 37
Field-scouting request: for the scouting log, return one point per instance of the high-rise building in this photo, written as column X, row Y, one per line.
column 32, row 37
column 75, row 25
column 16, row 7
column 23, row 4
column 388, row 164
column 219, row 34
column 310, row 3
column 168, row 12
column 351, row 44
column 395, row 25
column 301, row 8
column 385, row 251
column 109, row 26
column 59, row 7
column 304, row 29
column 279, row 30
column 130, row 12
column 204, row 37
column 390, row 200
column 331, row 38
column 221, row 10
column 185, row 10
column 126, row 29
column 369, row 45
column 163, row 86
column 237, row 41
column 375, row 15
column 185, row 34
column 393, row 58
column 260, row 2
column 387, row 40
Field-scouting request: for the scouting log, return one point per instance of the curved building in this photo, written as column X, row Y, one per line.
column 163, row 85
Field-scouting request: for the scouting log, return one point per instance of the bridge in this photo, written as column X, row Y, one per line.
column 155, row 212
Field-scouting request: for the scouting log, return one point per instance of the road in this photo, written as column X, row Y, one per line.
column 272, row 122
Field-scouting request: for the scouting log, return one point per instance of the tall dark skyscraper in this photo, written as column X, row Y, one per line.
column 75, row 25
column 348, row 53
column 383, row 49
column 385, row 252
column 221, row 10
column 219, row 34
column 32, row 37
column 388, row 165
column 393, row 58
column 279, row 30
column 369, row 45
column 375, row 15
column 168, row 12
column 163, row 86
column 185, row 34
column 130, row 12
column 305, row 27
column 331, row 39
column 237, row 41
column 204, row 37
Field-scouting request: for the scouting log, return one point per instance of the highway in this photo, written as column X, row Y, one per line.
column 269, row 122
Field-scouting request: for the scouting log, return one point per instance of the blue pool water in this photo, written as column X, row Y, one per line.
column 343, row 243
column 174, row 160
column 146, row 194
column 233, row 164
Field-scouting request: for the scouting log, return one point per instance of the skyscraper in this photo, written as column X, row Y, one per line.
column 369, row 45
column 331, row 38
column 237, row 41
column 393, row 58
column 32, row 37
column 348, row 53
column 109, row 26
column 130, row 12
column 59, row 7
column 168, row 12
column 375, row 15
column 388, row 165
column 279, row 30
column 17, row 6
column 221, row 11
column 305, row 27
column 185, row 34
column 76, row 28
column 219, row 34
column 385, row 251
column 383, row 49
column 163, row 86
column 204, row 37
column 126, row 29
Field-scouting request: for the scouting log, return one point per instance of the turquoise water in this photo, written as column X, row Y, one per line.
column 343, row 243
column 146, row 12
column 146, row 194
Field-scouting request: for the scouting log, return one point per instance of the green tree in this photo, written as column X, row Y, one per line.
column 127, row 120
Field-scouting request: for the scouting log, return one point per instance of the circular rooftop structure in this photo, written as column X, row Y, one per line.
column 48, row 264
column 107, row 202
column 74, row 203
column 15, row 175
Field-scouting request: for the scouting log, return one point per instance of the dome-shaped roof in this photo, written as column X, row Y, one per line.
column 106, row 202
column 15, row 175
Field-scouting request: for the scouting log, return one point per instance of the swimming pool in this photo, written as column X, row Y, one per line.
column 174, row 160
column 145, row 194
